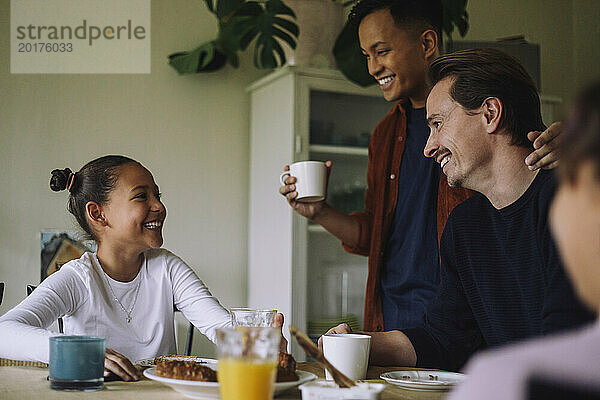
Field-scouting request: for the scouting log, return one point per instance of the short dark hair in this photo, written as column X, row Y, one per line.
column 482, row 73
column 413, row 15
column 93, row 182
column 581, row 134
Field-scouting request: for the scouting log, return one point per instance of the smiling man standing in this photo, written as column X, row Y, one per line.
column 407, row 203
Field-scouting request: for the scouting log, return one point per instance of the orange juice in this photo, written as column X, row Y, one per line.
column 246, row 379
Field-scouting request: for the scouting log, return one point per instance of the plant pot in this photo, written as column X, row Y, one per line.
column 320, row 22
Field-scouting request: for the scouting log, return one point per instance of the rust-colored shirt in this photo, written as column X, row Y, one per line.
column 385, row 156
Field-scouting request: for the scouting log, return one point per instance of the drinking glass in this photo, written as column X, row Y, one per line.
column 252, row 317
column 247, row 362
column 77, row 363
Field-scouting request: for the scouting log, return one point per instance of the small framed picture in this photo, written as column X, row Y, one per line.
column 59, row 247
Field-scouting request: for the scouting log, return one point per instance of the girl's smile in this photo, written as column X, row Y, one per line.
column 134, row 213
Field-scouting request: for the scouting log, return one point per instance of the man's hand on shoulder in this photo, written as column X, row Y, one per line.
column 545, row 144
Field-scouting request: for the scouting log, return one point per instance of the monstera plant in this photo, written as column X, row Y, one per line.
column 241, row 23
column 269, row 24
column 347, row 49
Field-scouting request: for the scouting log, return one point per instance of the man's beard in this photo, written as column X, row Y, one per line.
column 455, row 181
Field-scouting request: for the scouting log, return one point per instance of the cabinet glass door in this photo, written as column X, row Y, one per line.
column 340, row 129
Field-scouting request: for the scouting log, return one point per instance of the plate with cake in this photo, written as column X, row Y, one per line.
column 196, row 377
column 151, row 362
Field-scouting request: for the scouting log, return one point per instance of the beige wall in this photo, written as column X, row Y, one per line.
column 192, row 132
column 586, row 41
column 567, row 32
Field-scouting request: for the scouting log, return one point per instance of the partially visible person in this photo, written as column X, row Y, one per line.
column 569, row 362
column 406, row 204
column 501, row 276
column 127, row 290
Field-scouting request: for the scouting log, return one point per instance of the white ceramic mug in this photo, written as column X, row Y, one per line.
column 310, row 180
column 348, row 352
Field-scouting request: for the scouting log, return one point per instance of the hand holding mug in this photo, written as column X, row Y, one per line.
column 304, row 185
column 349, row 353
column 339, row 329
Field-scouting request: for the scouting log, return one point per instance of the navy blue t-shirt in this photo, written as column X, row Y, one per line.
column 410, row 273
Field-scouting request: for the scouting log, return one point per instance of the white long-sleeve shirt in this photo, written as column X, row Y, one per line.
column 80, row 293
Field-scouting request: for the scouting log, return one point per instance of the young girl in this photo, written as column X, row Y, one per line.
column 126, row 291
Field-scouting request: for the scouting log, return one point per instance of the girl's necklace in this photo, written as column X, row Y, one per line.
column 137, row 290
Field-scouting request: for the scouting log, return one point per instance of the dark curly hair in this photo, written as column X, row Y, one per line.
column 413, row 15
column 93, row 182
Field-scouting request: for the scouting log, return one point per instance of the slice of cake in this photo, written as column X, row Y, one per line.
column 286, row 368
column 182, row 369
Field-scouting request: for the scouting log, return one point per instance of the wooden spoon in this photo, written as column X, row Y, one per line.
column 313, row 351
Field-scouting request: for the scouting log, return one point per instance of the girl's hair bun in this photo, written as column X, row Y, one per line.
column 60, row 179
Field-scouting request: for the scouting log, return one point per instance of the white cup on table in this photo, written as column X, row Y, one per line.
column 310, row 180
column 349, row 353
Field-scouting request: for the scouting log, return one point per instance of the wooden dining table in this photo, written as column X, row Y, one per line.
column 28, row 382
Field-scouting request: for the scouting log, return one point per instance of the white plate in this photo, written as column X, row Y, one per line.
column 303, row 378
column 149, row 362
column 423, row 380
column 210, row 390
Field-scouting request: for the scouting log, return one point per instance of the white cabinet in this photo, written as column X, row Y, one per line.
column 300, row 114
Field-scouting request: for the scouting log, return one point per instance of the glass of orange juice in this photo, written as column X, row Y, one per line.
column 247, row 362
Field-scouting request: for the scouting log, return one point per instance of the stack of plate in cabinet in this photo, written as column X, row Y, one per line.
column 318, row 327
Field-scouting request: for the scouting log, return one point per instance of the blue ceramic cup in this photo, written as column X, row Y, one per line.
column 77, row 363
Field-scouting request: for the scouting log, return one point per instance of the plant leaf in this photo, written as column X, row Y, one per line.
column 238, row 32
column 248, row 37
column 463, row 24
column 284, row 36
column 228, row 37
column 250, row 8
column 240, row 22
column 233, row 60
column 267, row 58
column 278, row 7
column 455, row 15
column 450, row 9
column 288, row 25
column 229, row 53
column 349, row 58
column 209, row 5
column 226, row 8
column 280, row 52
column 268, row 52
column 204, row 58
